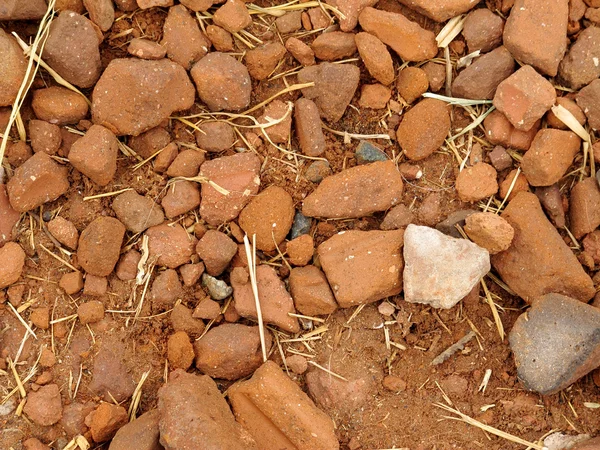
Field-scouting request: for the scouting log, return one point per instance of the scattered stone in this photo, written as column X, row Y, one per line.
column 194, row 414
column 310, row 291
column 44, row 407
column 230, row 351
column 64, row 232
column 276, row 303
column 424, row 128
column 289, row 22
column 186, row 164
column 182, row 37
column 440, row 270
column 146, row 49
column 386, row 309
column 374, row 96
column 180, row 351
column 22, row 10
column 578, row 68
column 220, row 38
column 45, row 137
column 72, row 49
column 476, row 182
column 368, row 153
column 197, row 5
column 110, row 375
column 215, row 136
column 339, row 397
column 149, row 142
column 351, row 9
column 95, row 155
column 165, row 158
column 297, row 364
column 555, row 343
column 135, row 95
column 363, row 266
column 300, row 250
column 170, row 244
column 440, row 11
column 490, row 231
column 262, row 61
column 318, row 18
column 334, row 45
column 95, row 286
column 40, row 317
column 301, row 225
column 520, row 185
column 552, row 266
column 122, row 5
column 278, row 414
column 182, row 196
column 570, row 106
column 59, row 105
column 147, row 4
column 551, row 199
column 100, row 246
column 34, row 444
column 500, row 158
column 356, row 192
column 412, row 83
column 166, row 289
column 73, row 419
column 335, row 85
column 398, row 217
column 536, row 33
column 39, row 180
column 142, row 433
column 183, row 320
column 191, row 273
column 233, row 16
column 483, row 30
column 207, row 309
column 394, row 384
column 90, row 312
column 376, row 57
column 216, row 249
column 280, row 112
column 72, row 282
column 308, row 127
column 588, row 100
column 17, row 153
column 317, row 171
column 524, row 97
column 218, row 289
column 300, row 51
column 584, row 209
column 436, row 74
column 101, row 12
column 484, row 75
column 137, row 212
column 105, row 421
column 269, row 216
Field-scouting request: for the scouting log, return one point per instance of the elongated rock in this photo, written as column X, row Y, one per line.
column 440, row 10
column 584, row 210
column 12, row 70
column 538, row 261
column 356, row 192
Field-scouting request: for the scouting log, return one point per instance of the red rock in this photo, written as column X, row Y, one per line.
column 182, row 37
column 22, row 10
column 299, row 50
column 47, row 358
column 223, row 83
column 412, row 82
column 275, row 301
column 282, row 113
column 170, row 244
column 589, row 444
column 71, row 49
column 500, row 131
column 124, row 5
column 191, row 273
column 166, row 157
column 356, row 192
column 230, row 351
column 584, row 209
column 182, row 196
column 127, row 266
column 137, row 212
column 374, row 96
column 64, row 232
column 59, row 105
column 338, row 397
column 17, row 153
column 300, row 250
column 442, row 10
column 146, row 49
column 424, row 128
column 297, row 364
column 146, row 4
column 406, row 38
column 216, row 250
column 135, row 95
column 207, row 309
column 95, row 155
column 520, row 185
column 101, row 12
column 278, row 414
column 363, row 266
column 524, row 97
column 484, row 75
column 232, row 16
column 149, row 142
column 376, row 57
column 44, row 407
column 308, row 127
column 141, row 434
column 334, row 45
column 318, row 18
column 536, row 33
column 73, row 419
column 106, row 420
column 215, row 136
column 334, row 88
column 166, row 289
column 8, row 217
column 397, row 217
column 194, row 414
column 394, row 383
column 570, row 106
column 477, row 182
column 72, row 282
column 197, row 5
column 186, row 164
column 100, row 246
column 182, row 320
column 537, row 246
column 578, row 68
column 317, row 171
column 40, row 317
column 90, row 312
column 552, row 201
column 39, row 180
column 550, row 156
column 289, row 22
column 588, row 100
column 483, row 30
column 490, row 231
column 220, row 38
column 180, row 351
column 34, row 444
column 45, row 137
column 351, row 9
column 110, row 375
column 95, row 286
column 436, row 73
column 262, row 61
column 310, row 291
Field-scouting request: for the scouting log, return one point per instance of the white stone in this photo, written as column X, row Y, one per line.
column 440, row 270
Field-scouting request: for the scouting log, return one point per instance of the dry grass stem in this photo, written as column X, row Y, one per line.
column 318, row 366
column 457, row 101
column 494, row 309
column 459, row 345
column 58, row 258
column 251, row 257
column 450, row 31
column 510, row 189
column 137, row 396
column 348, row 136
column 106, row 194
column 16, row 313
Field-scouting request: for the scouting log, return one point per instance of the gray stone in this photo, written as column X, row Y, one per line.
column 300, row 226
column 440, row 270
column 367, row 153
column 217, row 289
column 555, row 343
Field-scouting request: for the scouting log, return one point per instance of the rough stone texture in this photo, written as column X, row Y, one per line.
column 230, row 351
column 351, row 9
column 215, row 136
column 440, row 10
column 406, row 38
column 520, row 184
column 300, row 51
column 182, row 320
column 239, row 174
column 550, row 156
column 194, row 415
column 13, row 258
column 278, row 414
column 197, row 5
column 186, row 164
column 218, row 289
column 275, row 301
column 483, row 30
column 412, row 82
column 335, row 85
column 482, row 77
column 59, row 105
column 141, row 434
column 282, row 113
column 262, row 61
column 555, row 343
column 363, row 266
column 376, row 57
column 166, row 289
column 300, row 250
column 95, row 155
column 105, row 421
column 100, row 246
column 334, row 45
column 310, row 291
column 137, row 212
column 269, row 216
column 180, row 351
column 181, row 197
column 552, row 201
column 374, row 96
column 135, row 95
column 536, row 33
column 101, row 12
column 182, row 37
column 397, row 217
column 538, row 261
column 289, row 22
column 489, row 231
column 476, row 182
column 44, row 407
column 146, row 49
column 424, row 128
column 440, row 270
column 12, row 69
column 524, row 97
column 149, row 142
column 578, row 67
column 223, row 83
column 22, row 10
column 146, row 4
column 500, row 131
column 110, row 375
column 39, row 180
column 90, row 312
column 216, row 250
column 584, row 208
column 571, row 106
column 72, row 282
column 233, row 16
column 45, row 137
column 356, row 192
column 8, row 217
column 588, row 100
column 308, row 127
column 171, row 244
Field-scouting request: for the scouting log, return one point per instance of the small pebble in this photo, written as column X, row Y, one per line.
column 218, row 289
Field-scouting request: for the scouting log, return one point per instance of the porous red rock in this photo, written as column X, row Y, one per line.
column 45, row 137
column 363, row 266
column 311, row 292
column 350, row 9
column 376, row 57
column 105, row 420
column 12, row 71
column 146, row 4
column 339, row 397
column 334, row 45
column 90, row 312
column 300, row 250
column 289, row 22
column 170, row 244
column 440, row 11
column 397, row 217
column 95, row 286
column 262, row 61
column 551, row 265
column 374, row 96
column 308, row 127
column 356, row 192
column 216, row 250
column 180, row 351
column 584, row 207
column 101, row 12
column 44, row 407
column 182, row 196
column 490, row 231
column 578, row 67
column 95, row 155
column 142, row 433
column 14, row 260
column 281, row 113
column 477, row 182
column 146, row 49
column 500, row 131
column 149, row 142
column 221, row 39
column 233, row 16
column 412, row 82
column 22, row 10
column 186, row 164
column 72, row 282
column 483, row 30
column 182, row 37
column 166, row 289
column 513, row 183
column 588, row 100
column 191, row 273
column 299, row 50
column 182, row 320
column 137, row 212
column 215, row 136
column 59, row 105
column 8, row 217
column 100, row 246
column 110, row 374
